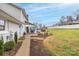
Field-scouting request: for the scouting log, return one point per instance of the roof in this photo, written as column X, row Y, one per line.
column 9, row 16
column 15, row 5
column 23, row 10
column 29, row 23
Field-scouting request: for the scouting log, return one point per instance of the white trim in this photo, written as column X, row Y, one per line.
column 4, row 32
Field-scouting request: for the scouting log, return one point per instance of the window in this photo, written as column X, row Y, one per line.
column 2, row 24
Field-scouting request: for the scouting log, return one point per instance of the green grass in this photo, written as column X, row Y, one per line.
column 63, row 42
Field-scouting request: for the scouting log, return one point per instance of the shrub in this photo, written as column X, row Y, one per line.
column 1, row 47
column 43, row 30
column 9, row 45
column 24, row 34
column 21, row 38
column 15, row 37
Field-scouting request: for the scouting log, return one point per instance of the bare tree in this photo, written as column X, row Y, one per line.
column 62, row 20
column 69, row 20
column 76, row 13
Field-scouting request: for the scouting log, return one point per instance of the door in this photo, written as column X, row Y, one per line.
column 27, row 29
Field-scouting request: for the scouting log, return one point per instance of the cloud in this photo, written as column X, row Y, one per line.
column 35, row 8
column 38, row 9
column 55, row 7
column 40, row 15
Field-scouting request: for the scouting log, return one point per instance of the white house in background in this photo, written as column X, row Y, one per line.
column 12, row 19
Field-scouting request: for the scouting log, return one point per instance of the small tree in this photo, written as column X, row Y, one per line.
column 15, row 37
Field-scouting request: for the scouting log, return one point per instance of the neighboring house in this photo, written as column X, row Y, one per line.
column 75, row 21
column 12, row 19
column 71, row 22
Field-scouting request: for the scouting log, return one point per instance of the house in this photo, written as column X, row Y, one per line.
column 12, row 19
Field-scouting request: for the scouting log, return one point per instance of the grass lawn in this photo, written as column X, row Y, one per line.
column 63, row 42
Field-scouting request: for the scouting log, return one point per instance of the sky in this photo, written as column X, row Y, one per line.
column 48, row 13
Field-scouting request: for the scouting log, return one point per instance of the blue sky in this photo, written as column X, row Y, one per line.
column 48, row 13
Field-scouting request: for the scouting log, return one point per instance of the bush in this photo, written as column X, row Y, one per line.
column 1, row 47
column 24, row 34
column 43, row 30
column 21, row 38
column 9, row 45
column 15, row 37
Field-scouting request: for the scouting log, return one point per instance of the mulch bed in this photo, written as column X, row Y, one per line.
column 13, row 51
column 37, row 48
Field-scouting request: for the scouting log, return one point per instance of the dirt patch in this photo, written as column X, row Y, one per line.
column 37, row 48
